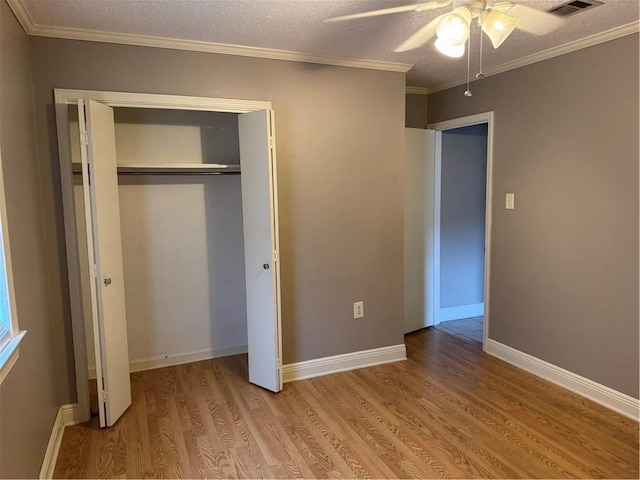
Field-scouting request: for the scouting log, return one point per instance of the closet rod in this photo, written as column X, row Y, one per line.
column 178, row 173
column 172, row 173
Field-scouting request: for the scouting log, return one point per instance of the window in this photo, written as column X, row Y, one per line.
column 10, row 337
column 5, row 314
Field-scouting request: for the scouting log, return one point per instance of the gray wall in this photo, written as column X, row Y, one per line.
column 462, row 216
column 340, row 137
column 415, row 115
column 29, row 394
column 564, row 263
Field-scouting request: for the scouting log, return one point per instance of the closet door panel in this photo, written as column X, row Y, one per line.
column 107, row 246
column 259, row 210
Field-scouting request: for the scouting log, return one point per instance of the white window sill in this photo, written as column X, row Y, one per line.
column 9, row 355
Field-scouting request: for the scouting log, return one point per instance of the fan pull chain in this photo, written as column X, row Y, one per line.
column 467, row 92
column 480, row 75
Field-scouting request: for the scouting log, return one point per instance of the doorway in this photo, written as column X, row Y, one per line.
column 462, row 226
column 463, row 172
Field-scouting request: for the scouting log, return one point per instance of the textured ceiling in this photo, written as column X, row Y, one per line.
column 297, row 25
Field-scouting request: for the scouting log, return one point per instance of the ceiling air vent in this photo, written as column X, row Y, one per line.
column 576, row 6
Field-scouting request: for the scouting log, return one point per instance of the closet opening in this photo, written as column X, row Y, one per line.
column 182, row 237
column 193, row 238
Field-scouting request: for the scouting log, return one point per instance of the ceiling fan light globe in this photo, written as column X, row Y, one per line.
column 453, row 27
column 498, row 26
column 453, row 51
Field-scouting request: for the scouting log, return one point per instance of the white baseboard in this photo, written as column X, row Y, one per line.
column 463, row 311
column 601, row 394
column 149, row 363
column 160, row 361
column 67, row 415
column 344, row 362
column 70, row 414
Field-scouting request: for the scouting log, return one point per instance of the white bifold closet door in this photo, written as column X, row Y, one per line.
column 102, row 214
column 419, row 227
column 262, row 263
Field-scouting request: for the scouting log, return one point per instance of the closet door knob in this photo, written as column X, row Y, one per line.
column 107, row 281
column 265, row 266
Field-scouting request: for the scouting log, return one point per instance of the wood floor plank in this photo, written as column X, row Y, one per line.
column 456, row 450
column 357, row 451
column 559, row 430
column 374, row 410
column 449, row 411
column 137, row 432
column 380, row 445
column 409, row 449
column 485, row 404
column 556, row 414
column 77, row 446
column 268, row 430
column 478, row 423
column 311, row 433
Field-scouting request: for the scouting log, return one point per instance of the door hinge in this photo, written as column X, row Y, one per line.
column 276, row 257
column 94, row 271
column 103, row 396
column 272, row 142
column 84, row 137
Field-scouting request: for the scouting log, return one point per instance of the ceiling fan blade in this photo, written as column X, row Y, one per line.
column 421, row 37
column 417, row 7
column 501, row 5
column 535, row 21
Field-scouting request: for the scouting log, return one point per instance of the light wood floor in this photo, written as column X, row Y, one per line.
column 450, row 411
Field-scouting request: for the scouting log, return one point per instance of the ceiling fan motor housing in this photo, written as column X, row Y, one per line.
column 475, row 6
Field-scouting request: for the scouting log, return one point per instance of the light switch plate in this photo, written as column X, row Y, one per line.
column 510, row 202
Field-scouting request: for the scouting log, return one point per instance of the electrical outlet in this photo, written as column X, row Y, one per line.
column 358, row 310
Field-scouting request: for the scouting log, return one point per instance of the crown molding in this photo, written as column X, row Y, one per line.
column 31, row 28
column 34, row 29
column 590, row 41
column 417, row 91
column 23, row 15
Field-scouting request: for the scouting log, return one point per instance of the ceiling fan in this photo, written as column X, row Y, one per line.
column 496, row 18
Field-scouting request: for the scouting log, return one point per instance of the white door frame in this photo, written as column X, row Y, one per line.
column 64, row 98
column 440, row 127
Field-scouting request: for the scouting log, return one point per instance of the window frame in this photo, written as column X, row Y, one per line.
column 11, row 339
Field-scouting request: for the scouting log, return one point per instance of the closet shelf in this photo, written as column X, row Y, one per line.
column 172, row 169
